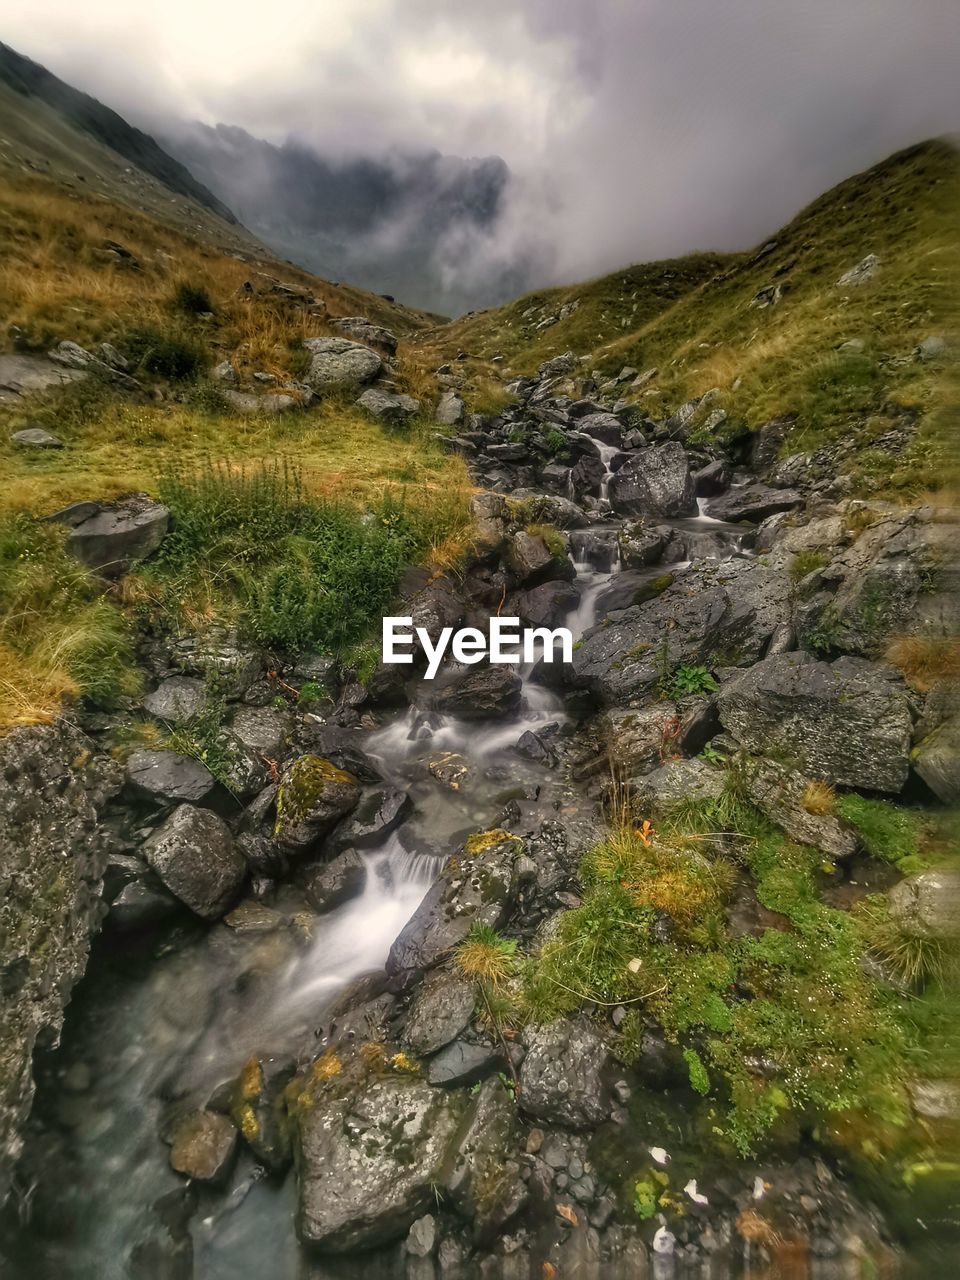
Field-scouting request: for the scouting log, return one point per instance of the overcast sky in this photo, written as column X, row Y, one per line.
column 636, row 128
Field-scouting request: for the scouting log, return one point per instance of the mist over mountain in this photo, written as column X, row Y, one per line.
column 426, row 227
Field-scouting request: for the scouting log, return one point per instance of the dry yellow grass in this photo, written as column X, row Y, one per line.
column 819, row 798
column 925, row 661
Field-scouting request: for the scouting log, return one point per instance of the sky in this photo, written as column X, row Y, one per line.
column 635, row 129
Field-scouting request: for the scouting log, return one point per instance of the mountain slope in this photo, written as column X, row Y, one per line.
column 771, row 330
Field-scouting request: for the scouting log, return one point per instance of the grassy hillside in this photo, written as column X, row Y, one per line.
column 697, row 322
column 293, row 528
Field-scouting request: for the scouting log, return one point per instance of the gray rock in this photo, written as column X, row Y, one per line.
column 265, row 731
column 752, row 502
column 481, row 693
column 846, row 722
column 336, row 882
column 388, row 407
column 194, row 856
column 422, row 1237
column 937, row 760
column 176, row 700
column 246, row 402
column 478, row 1178
column 562, row 1076
column 450, row 410
column 640, row 544
column 605, row 427
column 509, row 452
column 476, row 886
column 203, row 1147
column 655, row 482
column 780, row 793
column 313, row 795
column 164, row 775
column 373, row 819
column 674, row 782
column 338, row 364
column 368, row 1163
column 118, row 535
column 712, row 479
column 24, row 373
column 491, row 518
column 865, row 270
column 927, row 905
column 547, row 508
column 224, row 372
column 532, row 562
column 36, row 438
column 442, row 1006
column 53, row 853
column 636, row 740
column 933, row 348
column 364, row 330
column 462, row 1062
column 141, row 904
column 546, row 605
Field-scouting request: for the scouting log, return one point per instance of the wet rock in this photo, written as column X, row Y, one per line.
column 36, row 438
column 481, row 693
column 128, row 531
column 336, row 882
column 373, row 819
column 194, row 856
column 339, row 364
column 846, row 722
column 476, row 886
column 656, row 482
column 937, row 760
column 640, row 544
column 596, row 547
column 546, row 605
column 313, row 795
column 462, row 1062
column 442, row 1006
column 754, row 502
column 712, row 479
column 545, row 508
column 368, row 1164
column 140, row 904
column 258, row 1112
column 562, row 1075
column 175, row 700
column 782, row 794
column 397, row 410
column 253, row 917
column 674, row 782
column 533, row 562
column 480, row 1177
column 491, row 519
column 927, row 905
column 605, row 427
column 166, row 776
column 204, row 1145
column 265, row 731
column 450, row 410
column 638, row 740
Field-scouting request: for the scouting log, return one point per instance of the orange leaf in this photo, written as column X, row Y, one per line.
column 567, row 1214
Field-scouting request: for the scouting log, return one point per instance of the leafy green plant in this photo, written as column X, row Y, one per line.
column 686, row 680
column 644, row 1199
column 699, row 1078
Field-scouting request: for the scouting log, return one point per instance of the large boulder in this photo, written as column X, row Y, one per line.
column 674, row 782
column 441, row 1008
column 481, row 693
column 937, row 760
column 846, row 722
column 927, row 905
column 331, row 883
column 395, row 409
column 113, row 538
column 339, row 364
column 476, row 886
column 544, row 606
column 313, row 796
column 783, row 795
column 562, row 1079
column 374, row 818
column 369, row 1163
column 364, row 330
column 482, row 1177
column 753, row 502
column 194, row 855
column 655, row 482
column 177, row 699
column 532, row 561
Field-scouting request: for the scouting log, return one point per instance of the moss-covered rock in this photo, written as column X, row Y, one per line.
column 313, row 795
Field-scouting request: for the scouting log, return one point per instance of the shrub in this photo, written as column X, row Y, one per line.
column 191, row 299
column 166, row 353
column 804, row 563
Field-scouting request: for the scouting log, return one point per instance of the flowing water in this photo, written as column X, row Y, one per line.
column 172, row 1018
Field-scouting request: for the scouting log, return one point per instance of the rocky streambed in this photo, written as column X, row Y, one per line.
column 275, row 1065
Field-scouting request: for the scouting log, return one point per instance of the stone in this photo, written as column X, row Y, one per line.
column 397, row 410
column 548, row 508
column 674, row 782
column 655, row 482
column 865, row 270
column 462, row 1062
column 365, row 331
column 176, row 700
column 313, row 795
column 480, row 693
column 441, row 1008
column 258, row 1110
column 637, row 739
column 477, row 1176
column 339, row 364
column 846, row 722
column 562, row 1076
column 753, row 502
column 545, row 606
column 368, row 1163
column 265, row 731
column 167, row 776
column 491, row 517
column 927, row 905
column 476, row 886
column 141, row 904
column 333, row 883
column 246, row 402
column 224, row 372
column 935, row 347
column 451, row 409
column 605, row 427
column 194, row 856
column 422, row 1237
column 937, row 760
column 118, row 535
column 640, row 545
column 204, row 1145
column 531, row 561
column 712, row 479
column 781, row 793
column 374, row 818
column 36, row 438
